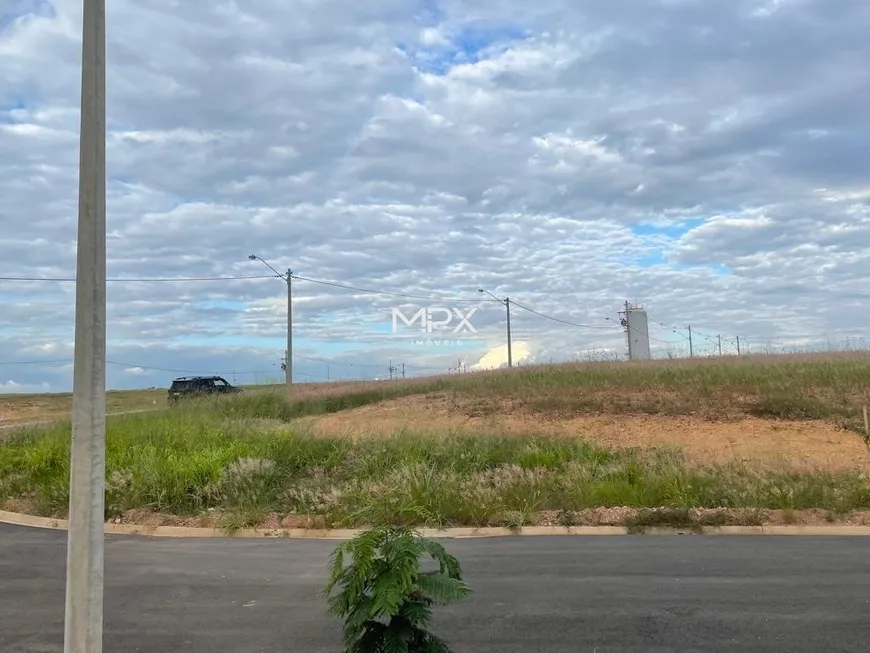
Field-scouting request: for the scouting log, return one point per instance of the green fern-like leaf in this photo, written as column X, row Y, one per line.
column 432, row 644
column 371, row 639
column 441, row 588
column 447, row 563
column 418, row 612
column 398, row 636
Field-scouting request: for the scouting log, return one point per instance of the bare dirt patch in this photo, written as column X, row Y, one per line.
column 813, row 443
column 22, row 408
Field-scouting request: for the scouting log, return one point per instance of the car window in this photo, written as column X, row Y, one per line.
column 206, row 383
column 221, row 383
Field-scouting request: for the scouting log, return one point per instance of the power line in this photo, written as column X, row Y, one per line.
column 370, row 366
column 42, row 362
column 334, row 362
column 142, row 280
column 383, row 292
column 235, row 278
column 312, row 376
column 176, row 371
column 154, row 368
column 675, row 329
column 583, row 326
column 556, row 319
column 646, row 333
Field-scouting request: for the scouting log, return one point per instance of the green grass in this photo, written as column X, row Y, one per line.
column 244, row 457
column 190, row 460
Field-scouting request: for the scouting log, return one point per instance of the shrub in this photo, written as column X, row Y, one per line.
column 385, row 600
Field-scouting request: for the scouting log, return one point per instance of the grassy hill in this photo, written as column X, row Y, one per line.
column 260, row 459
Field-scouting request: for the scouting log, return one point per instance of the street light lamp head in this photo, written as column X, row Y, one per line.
column 253, row 257
column 480, row 290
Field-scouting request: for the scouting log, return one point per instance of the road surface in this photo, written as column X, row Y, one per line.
column 600, row 594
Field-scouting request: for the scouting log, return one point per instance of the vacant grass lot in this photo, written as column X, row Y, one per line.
column 248, row 460
column 25, row 408
column 795, row 387
column 810, row 386
column 16, row 408
column 832, row 387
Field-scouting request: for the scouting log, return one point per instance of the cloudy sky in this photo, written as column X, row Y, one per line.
column 709, row 160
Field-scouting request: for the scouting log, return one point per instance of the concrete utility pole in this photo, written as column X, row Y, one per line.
column 628, row 330
column 288, row 366
column 719, row 339
column 288, row 373
column 738, row 345
column 83, row 615
column 691, row 349
column 507, row 302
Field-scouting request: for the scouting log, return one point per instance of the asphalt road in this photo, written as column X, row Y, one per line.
column 598, row 594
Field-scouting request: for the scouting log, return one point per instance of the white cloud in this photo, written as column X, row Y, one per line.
column 13, row 387
column 568, row 157
column 497, row 357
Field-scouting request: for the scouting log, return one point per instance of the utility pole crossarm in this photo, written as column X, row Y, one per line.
column 288, row 353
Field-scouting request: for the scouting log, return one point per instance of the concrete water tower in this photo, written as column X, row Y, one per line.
column 636, row 325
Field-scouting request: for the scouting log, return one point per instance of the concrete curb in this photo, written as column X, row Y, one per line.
column 19, row 519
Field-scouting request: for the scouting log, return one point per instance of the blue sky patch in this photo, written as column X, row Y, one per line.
column 469, row 45
column 433, row 13
column 20, row 8
column 472, row 41
column 7, row 108
column 672, row 230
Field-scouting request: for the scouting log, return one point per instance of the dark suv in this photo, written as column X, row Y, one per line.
column 197, row 386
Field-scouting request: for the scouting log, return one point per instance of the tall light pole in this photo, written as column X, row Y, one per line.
column 288, row 367
column 83, row 614
column 507, row 302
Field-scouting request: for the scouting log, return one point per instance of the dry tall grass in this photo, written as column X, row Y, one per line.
column 214, row 454
column 796, row 386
